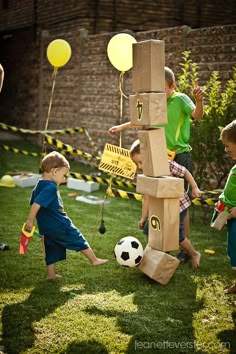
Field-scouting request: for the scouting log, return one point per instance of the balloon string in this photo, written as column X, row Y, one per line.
column 49, row 109
column 121, row 101
column 100, row 216
column 121, row 84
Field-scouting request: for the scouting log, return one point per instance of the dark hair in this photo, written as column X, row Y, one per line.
column 229, row 132
column 169, row 76
column 135, row 148
column 53, row 160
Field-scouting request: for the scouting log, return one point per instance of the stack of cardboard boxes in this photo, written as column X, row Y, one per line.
column 148, row 108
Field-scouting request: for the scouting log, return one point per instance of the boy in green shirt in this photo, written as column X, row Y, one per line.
column 228, row 196
column 180, row 111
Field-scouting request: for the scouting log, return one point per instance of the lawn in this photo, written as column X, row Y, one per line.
column 109, row 309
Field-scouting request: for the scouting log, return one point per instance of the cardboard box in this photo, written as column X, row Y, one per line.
column 148, row 109
column 158, row 265
column 148, row 73
column 160, row 187
column 154, row 152
column 26, row 180
column 82, row 185
column 163, row 228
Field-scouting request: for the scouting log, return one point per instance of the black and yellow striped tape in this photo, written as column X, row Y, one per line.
column 80, row 130
column 18, row 151
column 13, row 129
column 112, row 192
column 68, row 148
column 103, row 180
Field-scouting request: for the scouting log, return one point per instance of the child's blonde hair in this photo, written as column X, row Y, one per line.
column 53, row 160
column 135, row 148
column 229, row 132
column 169, row 76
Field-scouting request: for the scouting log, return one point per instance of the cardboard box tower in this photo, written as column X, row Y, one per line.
column 148, row 108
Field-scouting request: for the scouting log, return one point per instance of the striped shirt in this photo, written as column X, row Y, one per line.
column 177, row 170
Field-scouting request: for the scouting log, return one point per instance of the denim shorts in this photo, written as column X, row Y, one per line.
column 56, row 246
column 231, row 246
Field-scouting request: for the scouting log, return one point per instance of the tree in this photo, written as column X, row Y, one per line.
column 210, row 161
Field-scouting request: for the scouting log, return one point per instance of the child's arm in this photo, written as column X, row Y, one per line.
column 189, row 178
column 33, row 212
column 117, row 128
column 232, row 213
column 198, row 94
column 1, row 77
column 144, row 217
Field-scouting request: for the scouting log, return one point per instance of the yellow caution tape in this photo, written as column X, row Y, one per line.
column 6, row 127
column 102, row 180
column 128, row 195
column 18, row 151
column 112, row 192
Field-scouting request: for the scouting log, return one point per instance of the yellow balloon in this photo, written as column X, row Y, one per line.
column 120, row 51
column 58, row 52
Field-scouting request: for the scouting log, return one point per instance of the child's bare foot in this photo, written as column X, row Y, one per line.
column 231, row 289
column 99, row 262
column 195, row 260
column 54, row 277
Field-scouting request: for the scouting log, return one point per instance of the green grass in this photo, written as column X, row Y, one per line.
column 109, row 309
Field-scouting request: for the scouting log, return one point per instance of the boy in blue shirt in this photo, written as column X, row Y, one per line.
column 59, row 232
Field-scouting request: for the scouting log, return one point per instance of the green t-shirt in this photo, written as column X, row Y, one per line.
column 177, row 131
column 228, row 196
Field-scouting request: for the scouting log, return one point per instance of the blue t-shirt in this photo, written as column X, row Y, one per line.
column 51, row 217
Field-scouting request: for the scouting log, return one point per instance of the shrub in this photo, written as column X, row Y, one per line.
column 210, row 161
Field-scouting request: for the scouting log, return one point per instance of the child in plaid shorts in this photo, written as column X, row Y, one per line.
column 177, row 171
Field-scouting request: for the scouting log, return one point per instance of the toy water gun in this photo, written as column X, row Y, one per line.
column 25, row 238
column 220, row 206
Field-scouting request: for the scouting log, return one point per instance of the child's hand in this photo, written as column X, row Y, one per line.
column 114, row 130
column 232, row 213
column 29, row 225
column 198, row 92
column 196, row 193
column 141, row 223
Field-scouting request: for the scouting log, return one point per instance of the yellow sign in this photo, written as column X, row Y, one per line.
column 117, row 161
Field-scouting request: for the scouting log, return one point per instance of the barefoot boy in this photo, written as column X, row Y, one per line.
column 177, row 171
column 46, row 205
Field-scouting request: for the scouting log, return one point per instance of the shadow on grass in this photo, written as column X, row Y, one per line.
column 171, row 330
column 17, row 319
column 171, row 327
column 228, row 337
column 91, row 347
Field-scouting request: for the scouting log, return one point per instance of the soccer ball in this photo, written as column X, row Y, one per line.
column 128, row 251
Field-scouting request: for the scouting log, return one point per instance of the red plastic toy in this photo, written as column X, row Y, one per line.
column 25, row 239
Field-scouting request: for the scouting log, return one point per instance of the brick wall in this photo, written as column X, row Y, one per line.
column 87, row 87
column 102, row 16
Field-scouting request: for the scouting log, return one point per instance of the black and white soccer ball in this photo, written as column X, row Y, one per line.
column 128, row 251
